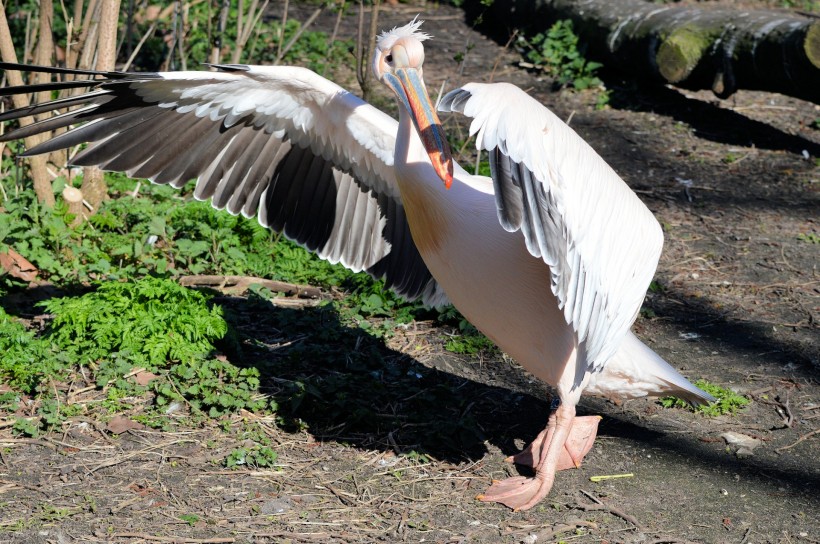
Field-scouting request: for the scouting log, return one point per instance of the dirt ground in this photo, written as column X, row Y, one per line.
column 738, row 200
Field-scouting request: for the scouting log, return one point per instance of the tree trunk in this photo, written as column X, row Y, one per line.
column 692, row 47
column 94, row 189
column 39, row 170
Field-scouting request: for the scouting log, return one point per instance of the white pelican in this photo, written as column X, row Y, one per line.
column 551, row 258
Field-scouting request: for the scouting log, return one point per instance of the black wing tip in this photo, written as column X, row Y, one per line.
column 103, row 75
column 54, row 86
column 454, row 101
column 228, row 67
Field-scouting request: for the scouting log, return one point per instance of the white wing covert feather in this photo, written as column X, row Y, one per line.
column 601, row 243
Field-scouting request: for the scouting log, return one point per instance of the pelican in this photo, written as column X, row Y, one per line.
column 551, row 257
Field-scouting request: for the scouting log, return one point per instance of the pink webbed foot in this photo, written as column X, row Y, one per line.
column 562, row 444
column 518, row 493
column 580, row 440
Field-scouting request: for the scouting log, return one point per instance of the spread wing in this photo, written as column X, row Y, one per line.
column 600, row 241
column 304, row 156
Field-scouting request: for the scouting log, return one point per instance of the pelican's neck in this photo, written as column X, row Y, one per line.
column 422, row 192
column 411, row 160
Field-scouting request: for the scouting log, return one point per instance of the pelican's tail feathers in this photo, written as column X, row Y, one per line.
column 637, row 371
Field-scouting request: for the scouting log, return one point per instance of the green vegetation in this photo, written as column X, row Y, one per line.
column 252, row 457
column 729, row 158
column 190, row 519
column 151, row 320
column 157, row 231
column 102, row 326
column 559, row 53
column 811, row 6
column 468, row 340
column 728, row 402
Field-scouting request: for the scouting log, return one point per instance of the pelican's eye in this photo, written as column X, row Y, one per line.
column 389, row 58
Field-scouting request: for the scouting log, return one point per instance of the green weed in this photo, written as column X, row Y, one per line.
column 153, row 320
column 560, row 54
column 253, row 457
column 728, row 402
column 25, row 359
column 190, row 519
column 468, row 340
column 26, row 427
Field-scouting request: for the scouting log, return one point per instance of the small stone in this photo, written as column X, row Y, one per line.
column 745, row 444
column 277, row 506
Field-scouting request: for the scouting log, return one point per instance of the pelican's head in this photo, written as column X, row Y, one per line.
column 397, row 63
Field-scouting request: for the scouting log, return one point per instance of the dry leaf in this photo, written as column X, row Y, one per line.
column 144, row 377
column 17, row 265
column 120, row 424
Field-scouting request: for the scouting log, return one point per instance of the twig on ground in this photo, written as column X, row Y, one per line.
column 782, row 408
column 175, row 539
column 24, row 486
column 31, row 441
column 565, row 528
column 304, row 537
column 347, row 499
column 124, row 458
column 799, row 440
column 606, row 508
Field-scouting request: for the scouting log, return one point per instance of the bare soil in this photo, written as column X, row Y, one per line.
column 738, row 200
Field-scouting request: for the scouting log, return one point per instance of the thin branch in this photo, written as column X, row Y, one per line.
column 137, row 49
column 282, row 31
column 299, row 33
column 606, row 508
column 799, row 440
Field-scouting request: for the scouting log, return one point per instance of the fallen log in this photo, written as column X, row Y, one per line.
column 240, row 284
column 688, row 46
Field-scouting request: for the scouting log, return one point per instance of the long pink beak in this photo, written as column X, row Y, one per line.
column 409, row 87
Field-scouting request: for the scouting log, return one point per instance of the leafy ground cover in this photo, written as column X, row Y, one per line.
column 359, row 418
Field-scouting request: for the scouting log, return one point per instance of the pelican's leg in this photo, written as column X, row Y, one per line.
column 521, row 493
column 581, row 437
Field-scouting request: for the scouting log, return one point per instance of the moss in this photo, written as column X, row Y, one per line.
column 680, row 52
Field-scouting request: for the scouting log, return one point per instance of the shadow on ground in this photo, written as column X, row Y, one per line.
column 343, row 384
column 708, row 120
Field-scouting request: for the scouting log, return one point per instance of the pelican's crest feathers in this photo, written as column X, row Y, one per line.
column 411, row 30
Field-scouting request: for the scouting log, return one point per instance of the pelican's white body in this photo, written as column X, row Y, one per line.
column 502, row 289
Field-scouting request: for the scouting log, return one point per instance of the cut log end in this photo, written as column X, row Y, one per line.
column 680, row 53
column 812, row 44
